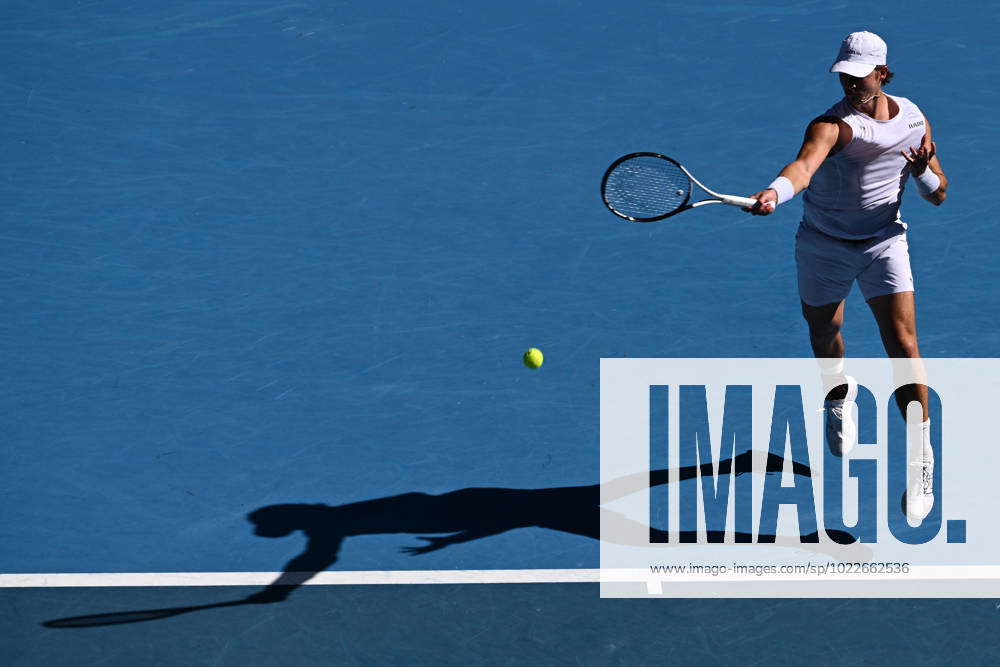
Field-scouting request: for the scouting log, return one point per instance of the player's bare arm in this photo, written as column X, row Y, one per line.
column 925, row 157
column 824, row 136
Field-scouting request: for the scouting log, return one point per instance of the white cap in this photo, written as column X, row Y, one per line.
column 859, row 53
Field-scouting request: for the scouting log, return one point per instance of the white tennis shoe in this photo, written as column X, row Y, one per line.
column 841, row 429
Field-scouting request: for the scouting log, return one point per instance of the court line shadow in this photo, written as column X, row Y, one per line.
column 465, row 515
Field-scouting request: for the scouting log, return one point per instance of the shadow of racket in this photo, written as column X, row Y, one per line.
column 137, row 616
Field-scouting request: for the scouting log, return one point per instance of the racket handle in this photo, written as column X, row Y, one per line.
column 733, row 200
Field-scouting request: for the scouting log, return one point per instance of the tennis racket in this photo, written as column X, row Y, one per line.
column 645, row 187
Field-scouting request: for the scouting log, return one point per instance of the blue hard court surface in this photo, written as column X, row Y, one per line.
column 258, row 253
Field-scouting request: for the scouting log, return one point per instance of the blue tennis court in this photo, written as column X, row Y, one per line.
column 259, row 254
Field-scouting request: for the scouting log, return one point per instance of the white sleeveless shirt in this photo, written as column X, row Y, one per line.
column 856, row 193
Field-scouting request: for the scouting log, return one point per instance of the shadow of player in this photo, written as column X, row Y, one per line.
column 475, row 513
column 462, row 516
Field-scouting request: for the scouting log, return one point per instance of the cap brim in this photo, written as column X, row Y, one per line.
column 854, row 69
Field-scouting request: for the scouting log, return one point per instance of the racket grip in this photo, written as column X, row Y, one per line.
column 733, row 200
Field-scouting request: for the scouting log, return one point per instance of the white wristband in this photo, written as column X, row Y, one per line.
column 927, row 182
column 784, row 188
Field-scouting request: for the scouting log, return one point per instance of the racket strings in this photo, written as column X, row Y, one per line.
column 646, row 187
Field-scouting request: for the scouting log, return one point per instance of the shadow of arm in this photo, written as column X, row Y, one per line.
column 317, row 557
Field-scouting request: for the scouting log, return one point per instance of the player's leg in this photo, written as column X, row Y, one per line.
column 827, row 268
column 825, row 324
column 887, row 284
column 896, row 316
column 827, row 342
column 897, row 323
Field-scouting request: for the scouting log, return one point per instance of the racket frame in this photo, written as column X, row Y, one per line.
column 716, row 198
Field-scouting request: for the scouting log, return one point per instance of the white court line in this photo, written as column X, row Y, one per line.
column 376, row 577
column 356, row 577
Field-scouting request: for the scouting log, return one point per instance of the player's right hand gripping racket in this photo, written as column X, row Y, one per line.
column 645, row 187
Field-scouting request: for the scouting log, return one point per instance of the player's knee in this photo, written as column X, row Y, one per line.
column 823, row 331
column 824, row 323
column 907, row 345
column 904, row 338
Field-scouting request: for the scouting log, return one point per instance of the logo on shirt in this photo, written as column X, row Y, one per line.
column 916, row 124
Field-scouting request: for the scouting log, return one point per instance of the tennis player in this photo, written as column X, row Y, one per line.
column 853, row 165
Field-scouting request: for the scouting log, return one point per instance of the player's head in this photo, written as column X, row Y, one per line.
column 281, row 520
column 861, row 64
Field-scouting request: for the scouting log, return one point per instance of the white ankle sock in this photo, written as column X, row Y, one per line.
column 928, row 450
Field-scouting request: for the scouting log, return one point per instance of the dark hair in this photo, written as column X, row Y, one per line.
column 888, row 74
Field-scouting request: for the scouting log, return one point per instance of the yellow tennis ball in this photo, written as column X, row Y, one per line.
column 533, row 358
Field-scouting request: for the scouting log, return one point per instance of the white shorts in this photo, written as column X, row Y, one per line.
column 827, row 266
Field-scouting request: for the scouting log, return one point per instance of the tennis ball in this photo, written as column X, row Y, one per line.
column 533, row 358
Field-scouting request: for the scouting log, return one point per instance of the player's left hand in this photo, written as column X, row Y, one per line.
column 920, row 157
